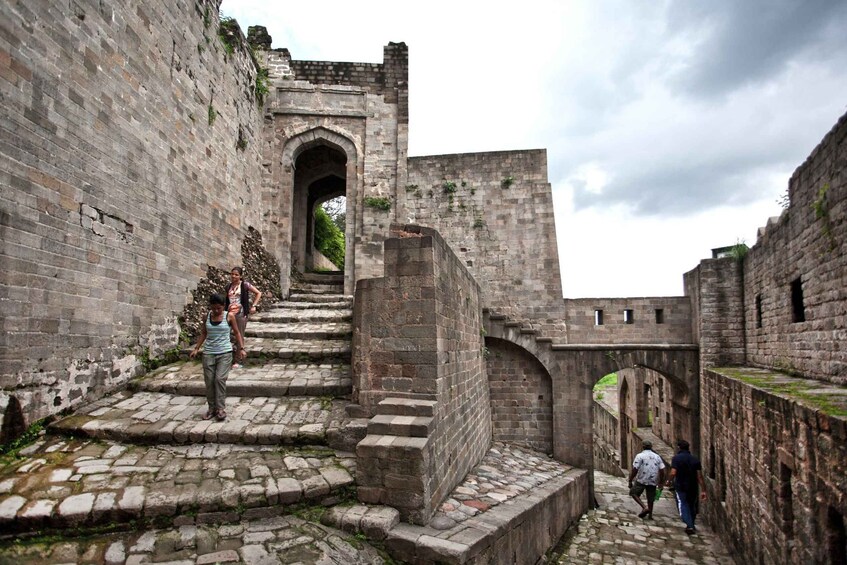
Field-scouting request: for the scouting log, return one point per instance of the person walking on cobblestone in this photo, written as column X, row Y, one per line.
column 217, row 354
column 238, row 299
column 648, row 470
column 686, row 476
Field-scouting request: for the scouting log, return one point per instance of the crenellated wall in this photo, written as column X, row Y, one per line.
column 130, row 162
column 496, row 211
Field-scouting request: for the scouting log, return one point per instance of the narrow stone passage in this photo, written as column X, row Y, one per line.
column 613, row 533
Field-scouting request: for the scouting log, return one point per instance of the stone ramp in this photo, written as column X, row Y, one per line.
column 82, row 483
column 613, row 532
column 510, row 508
column 270, row 379
column 153, row 417
column 278, row 540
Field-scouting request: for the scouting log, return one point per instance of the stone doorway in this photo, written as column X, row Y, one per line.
column 320, row 175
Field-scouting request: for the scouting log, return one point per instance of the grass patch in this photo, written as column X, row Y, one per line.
column 29, row 437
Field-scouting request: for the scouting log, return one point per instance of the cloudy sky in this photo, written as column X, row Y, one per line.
column 671, row 127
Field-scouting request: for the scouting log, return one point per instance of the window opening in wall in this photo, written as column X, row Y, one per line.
column 628, row 317
column 723, row 481
column 660, row 316
column 667, row 417
column 598, row 317
column 758, row 310
column 661, row 387
column 836, row 536
column 786, row 500
column 798, row 313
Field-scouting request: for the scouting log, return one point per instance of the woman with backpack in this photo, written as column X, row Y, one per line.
column 238, row 300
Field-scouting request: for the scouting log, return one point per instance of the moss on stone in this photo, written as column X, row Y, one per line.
column 828, row 399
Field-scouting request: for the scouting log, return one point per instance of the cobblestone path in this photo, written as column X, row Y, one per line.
column 613, row 533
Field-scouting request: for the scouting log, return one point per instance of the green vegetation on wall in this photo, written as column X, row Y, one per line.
column 329, row 240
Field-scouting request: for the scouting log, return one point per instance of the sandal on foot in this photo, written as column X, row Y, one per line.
column 643, row 513
column 221, row 416
column 209, row 415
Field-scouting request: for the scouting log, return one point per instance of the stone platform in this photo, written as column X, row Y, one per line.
column 510, row 508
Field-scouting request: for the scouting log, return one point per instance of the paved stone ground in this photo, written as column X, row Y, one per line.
column 505, row 472
column 278, row 540
column 613, row 533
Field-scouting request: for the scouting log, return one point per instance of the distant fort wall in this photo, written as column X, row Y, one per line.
column 629, row 320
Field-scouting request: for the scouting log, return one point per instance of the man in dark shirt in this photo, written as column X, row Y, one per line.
column 686, row 476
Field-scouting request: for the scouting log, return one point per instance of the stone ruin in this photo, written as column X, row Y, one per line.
column 146, row 148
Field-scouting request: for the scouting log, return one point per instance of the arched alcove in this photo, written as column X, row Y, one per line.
column 521, row 393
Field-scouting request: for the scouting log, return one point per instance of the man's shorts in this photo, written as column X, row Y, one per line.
column 638, row 488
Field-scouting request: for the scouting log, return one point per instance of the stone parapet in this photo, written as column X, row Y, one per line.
column 773, row 448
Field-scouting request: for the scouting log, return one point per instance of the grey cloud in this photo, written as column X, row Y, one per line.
column 681, row 188
column 749, row 41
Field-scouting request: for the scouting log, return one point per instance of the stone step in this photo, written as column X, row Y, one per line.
column 277, row 539
column 297, row 350
column 75, row 483
column 345, row 304
column 406, row 407
column 406, row 426
column 332, row 277
column 317, row 289
column 271, row 379
column 383, row 446
column 321, row 298
column 156, row 418
column 301, row 330
column 284, row 315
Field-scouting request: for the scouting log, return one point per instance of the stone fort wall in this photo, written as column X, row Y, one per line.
column 774, row 459
column 774, row 471
column 805, row 248
column 496, row 211
column 130, row 161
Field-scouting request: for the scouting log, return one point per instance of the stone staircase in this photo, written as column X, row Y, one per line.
column 144, row 456
column 139, row 477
